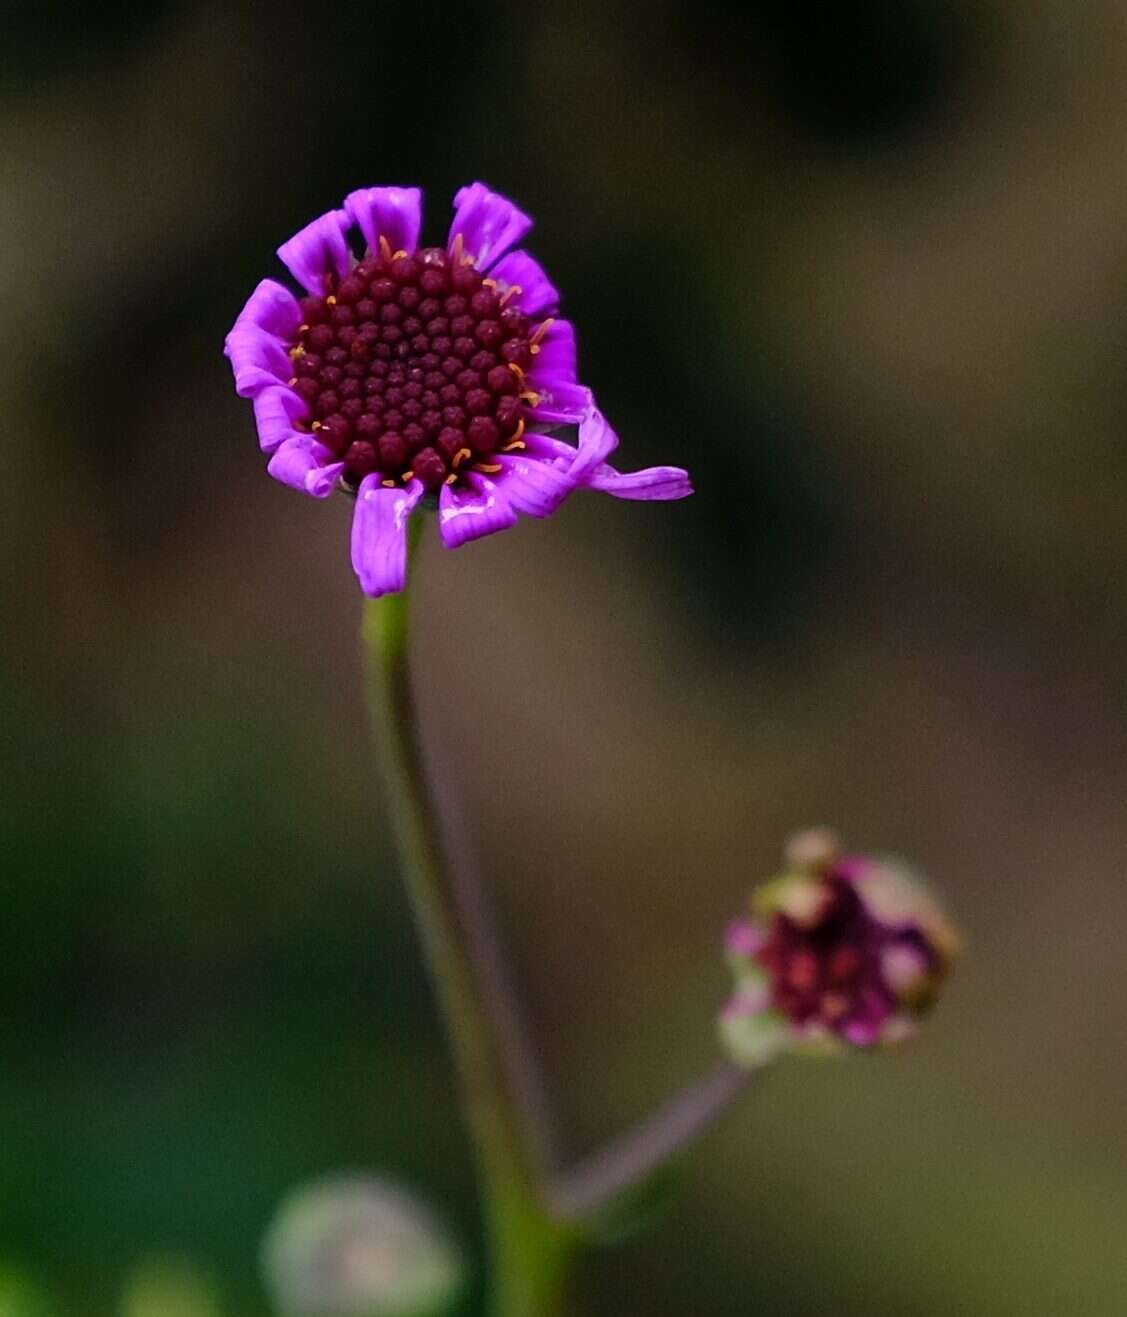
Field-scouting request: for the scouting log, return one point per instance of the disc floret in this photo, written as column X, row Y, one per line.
column 414, row 366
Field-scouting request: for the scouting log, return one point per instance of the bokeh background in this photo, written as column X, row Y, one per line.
column 863, row 269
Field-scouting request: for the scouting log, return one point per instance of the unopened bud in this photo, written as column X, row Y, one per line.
column 355, row 1246
column 838, row 950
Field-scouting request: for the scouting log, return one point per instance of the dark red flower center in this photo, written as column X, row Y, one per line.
column 830, row 972
column 414, row 367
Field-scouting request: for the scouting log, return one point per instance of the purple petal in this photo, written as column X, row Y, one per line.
column 745, row 938
column 318, row 250
column 306, row 465
column 537, row 294
column 561, row 403
column 294, row 461
column 489, row 224
column 323, row 481
column 258, row 359
column 596, row 443
column 379, row 535
column 655, row 482
column 862, row 1032
column 395, row 213
column 274, row 309
column 555, row 361
column 276, row 412
column 533, row 486
column 550, row 449
column 465, row 515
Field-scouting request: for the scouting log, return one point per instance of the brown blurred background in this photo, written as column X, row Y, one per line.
column 863, row 269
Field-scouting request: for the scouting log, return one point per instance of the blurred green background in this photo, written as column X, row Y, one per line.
column 863, row 269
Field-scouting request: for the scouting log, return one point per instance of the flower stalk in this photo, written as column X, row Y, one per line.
column 531, row 1252
column 538, row 1218
column 632, row 1159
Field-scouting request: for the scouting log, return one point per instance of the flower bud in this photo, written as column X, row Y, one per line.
column 355, row 1246
column 836, row 951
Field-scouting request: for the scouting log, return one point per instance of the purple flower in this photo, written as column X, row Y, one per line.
column 837, row 950
column 412, row 371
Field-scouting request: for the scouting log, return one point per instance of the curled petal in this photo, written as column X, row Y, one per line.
column 534, row 486
column 555, row 362
column 654, row 483
column 394, row 213
column 318, row 250
column 596, row 443
column 465, row 515
column 323, row 481
column 379, row 535
column 258, row 359
column 294, row 461
column 550, row 449
column 273, row 308
column 537, row 295
column 276, row 412
column 489, row 224
column 305, row 465
column 561, row 403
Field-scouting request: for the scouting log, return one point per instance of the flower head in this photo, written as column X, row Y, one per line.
column 408, row 371
column 837, row 950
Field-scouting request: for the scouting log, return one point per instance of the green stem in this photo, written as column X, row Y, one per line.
column 531, row 1254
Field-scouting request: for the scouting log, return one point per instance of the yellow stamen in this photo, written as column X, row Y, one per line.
column 531, row 397
column 489, row 283
column 407, row 477
column 331, row 300
column 542, row 329
column 451, row 478
column 385, row 248
column 458, row 251
column 462, row 455
column 292, row 381
column 488, row 468
column 388, row 484
column 299, row 351
column 516, row 442
column 316, row 425
column 399, row 255
column 517, row 371
column 513, row 290
column 303, row 329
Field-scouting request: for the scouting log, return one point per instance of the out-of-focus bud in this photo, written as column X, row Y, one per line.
column 355, row 1246
column 836, row 951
